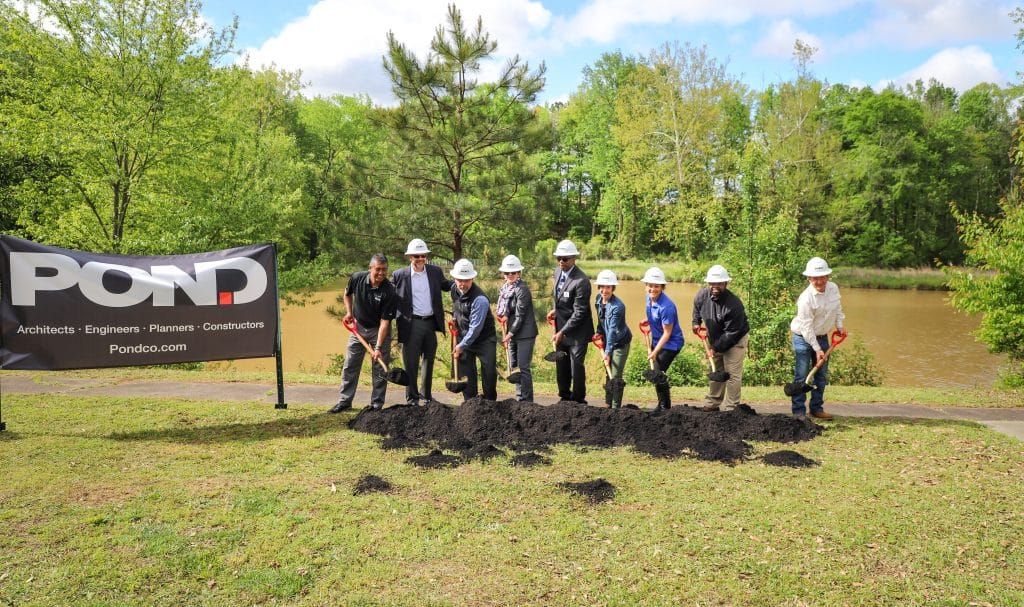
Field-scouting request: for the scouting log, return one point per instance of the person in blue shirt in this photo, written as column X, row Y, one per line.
column 666, row 335
column 476, row 337
column 611, row 325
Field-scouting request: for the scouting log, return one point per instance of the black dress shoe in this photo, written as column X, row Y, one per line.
column 338, row 408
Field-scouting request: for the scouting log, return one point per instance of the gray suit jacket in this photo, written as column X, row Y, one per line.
column 573, row 315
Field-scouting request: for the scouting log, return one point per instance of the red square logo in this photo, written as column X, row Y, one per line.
column 225, row 298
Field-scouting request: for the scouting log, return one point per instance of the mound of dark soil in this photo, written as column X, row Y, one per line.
column 789, row 459
column 434, row 459
column 482, row 452
column 595, row 491
column 529, row 460
column 371, row 484
column 681, row 430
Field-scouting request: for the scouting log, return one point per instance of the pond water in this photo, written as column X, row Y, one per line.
column 915, row 336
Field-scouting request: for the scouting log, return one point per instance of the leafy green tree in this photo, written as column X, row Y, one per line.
column 996, row 288
column 679, row 158
column 111, row 93
column 335, row 134
column 881, row 207
column 462, row 151
column 591, row 157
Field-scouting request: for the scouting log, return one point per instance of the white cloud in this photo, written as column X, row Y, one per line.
column 923, row 23
column 960, row 68
column 339, row 44
column 781, row 36
column 603, row 20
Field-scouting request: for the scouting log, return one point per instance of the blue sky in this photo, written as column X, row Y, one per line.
column 338, row 44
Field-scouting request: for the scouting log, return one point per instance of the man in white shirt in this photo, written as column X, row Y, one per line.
column 420, row 317
column 818, row 310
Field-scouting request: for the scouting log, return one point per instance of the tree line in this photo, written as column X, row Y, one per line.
column 126, row 128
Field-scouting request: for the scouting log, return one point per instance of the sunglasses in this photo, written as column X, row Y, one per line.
column 563, row 258
column 418, row 256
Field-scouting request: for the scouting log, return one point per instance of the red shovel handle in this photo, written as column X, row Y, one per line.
column 702, row 333
column 645, row 327
column 453, row 328
column 837, row 338
column 350, row 324
column 598, row 340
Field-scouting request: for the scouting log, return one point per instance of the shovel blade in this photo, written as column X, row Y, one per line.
column 655, row 376
column 613, row 389
column 799, row 387
column 719, row 376
column 554, row 356
column 398, row 376
column 455, row 386
column 515, row 376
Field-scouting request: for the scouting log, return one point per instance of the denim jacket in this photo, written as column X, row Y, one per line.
column 611, row 322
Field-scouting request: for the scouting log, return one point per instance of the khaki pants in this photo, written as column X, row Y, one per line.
column 726, row 394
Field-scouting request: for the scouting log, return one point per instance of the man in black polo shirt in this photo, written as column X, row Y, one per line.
column 370, row 299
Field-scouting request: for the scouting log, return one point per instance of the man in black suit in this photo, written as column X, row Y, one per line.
column 574, row 323
column 420, row 317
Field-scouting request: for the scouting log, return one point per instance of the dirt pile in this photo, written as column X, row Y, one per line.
column 529, row 460
column 371, row 484
column 434, row 459
column 789, row 459
column 595, row 491
column 481, row 424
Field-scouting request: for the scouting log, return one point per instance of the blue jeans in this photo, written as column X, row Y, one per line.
column 806, row 357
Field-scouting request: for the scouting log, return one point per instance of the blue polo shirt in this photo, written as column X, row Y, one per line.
column 663, row 312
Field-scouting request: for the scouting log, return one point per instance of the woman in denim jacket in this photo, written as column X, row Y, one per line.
column 611, row 325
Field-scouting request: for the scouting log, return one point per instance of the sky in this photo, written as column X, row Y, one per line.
column 338, row 44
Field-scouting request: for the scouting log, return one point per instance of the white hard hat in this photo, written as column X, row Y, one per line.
column 511, row 263
column 566, row 248
column 606, row 278
column 654, row 276
column 717, row 273
column 817, row 267
column 416, row 247
column 463, row 270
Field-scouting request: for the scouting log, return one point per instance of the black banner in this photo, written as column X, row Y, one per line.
column 64, row 309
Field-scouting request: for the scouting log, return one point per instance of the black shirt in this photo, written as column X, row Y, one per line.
column 371, row 305
column 725, row 318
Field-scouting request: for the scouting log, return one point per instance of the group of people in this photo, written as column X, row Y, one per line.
column 413, row 298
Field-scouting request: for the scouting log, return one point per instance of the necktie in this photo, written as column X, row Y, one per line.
column 560, row 285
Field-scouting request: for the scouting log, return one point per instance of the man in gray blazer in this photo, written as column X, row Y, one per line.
column 574, row 323
column 420, row 317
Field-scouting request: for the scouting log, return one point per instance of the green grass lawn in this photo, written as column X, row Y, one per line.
column 108, row 501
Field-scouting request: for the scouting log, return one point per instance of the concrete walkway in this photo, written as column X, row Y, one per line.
column 1007, row 421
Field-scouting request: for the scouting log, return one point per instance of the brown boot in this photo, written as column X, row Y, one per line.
column 821, row 415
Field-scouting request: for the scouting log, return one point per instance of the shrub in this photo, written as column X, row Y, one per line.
column 688, row 369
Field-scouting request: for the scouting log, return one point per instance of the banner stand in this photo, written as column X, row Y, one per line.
column 280, row 404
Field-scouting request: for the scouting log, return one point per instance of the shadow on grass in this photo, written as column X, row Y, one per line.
column 311, row 425
column 843, row 423
column 9, row 435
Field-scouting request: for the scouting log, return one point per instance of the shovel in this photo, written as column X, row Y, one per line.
column 556, row 354
column 455, row 385
column 652, row 375
column 514, row 375
column 806, row 386
column 702, row 333
column 396, row 375
column 615, row 385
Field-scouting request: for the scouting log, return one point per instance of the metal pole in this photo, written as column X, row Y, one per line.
column 3, row 426
column 280, row 404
